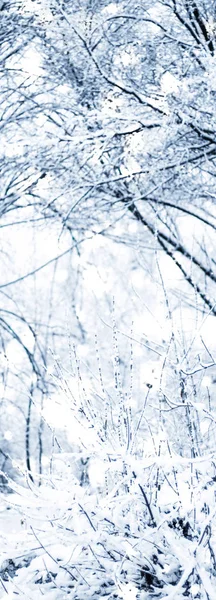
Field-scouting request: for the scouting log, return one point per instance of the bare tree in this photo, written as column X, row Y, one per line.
column 107, row 115
column 130, row 111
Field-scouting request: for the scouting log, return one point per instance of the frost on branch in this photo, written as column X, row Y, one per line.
column 142, row 523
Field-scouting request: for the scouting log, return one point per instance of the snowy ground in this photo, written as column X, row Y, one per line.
column 14, row 542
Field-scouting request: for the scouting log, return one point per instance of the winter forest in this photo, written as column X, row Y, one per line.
column 108, row 299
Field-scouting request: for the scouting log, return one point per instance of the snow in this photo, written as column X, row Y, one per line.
column 111, row 9
column 169, row 83
column 8, row 435
column 104, row 125
column 128, row 592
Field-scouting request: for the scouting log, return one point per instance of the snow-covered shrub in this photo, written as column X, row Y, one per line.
column 141, row 524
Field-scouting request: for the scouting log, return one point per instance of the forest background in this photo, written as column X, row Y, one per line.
column 107, row 313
